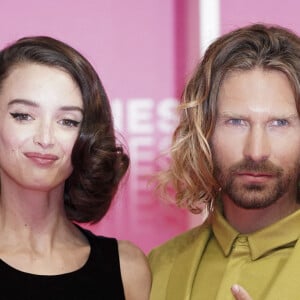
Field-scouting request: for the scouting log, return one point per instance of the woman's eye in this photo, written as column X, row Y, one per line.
column 21, row 116
column 69, row 123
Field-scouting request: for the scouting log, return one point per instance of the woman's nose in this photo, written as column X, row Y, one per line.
column 44, row 135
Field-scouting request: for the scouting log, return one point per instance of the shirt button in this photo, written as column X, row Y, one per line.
column 242, row 239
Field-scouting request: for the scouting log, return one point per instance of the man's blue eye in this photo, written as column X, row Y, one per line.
column 235, row 122
column 280, row 122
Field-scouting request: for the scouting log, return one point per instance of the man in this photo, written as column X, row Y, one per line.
column 237, row 150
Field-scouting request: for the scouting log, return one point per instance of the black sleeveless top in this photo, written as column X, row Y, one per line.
column 99, row 278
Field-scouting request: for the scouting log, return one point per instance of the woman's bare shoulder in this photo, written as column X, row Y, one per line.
column 135, row 271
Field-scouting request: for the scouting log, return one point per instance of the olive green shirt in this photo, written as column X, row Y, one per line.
column 252, row 260
column 203, row 263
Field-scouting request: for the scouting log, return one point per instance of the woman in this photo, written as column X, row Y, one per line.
column 59, row 164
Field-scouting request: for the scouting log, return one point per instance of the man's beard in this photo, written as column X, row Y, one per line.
column 257, row 194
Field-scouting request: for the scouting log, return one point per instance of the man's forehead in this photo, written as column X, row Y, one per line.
column 256, row 91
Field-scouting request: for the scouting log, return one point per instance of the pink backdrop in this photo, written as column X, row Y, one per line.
column 143, row 51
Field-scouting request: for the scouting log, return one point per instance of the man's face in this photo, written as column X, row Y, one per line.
column 256, row 141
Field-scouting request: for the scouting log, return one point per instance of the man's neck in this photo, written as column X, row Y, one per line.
column 250, row 220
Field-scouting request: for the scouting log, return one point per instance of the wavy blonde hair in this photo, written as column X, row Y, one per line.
column 191, row 171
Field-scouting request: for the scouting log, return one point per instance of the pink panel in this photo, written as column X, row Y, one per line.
column 143, row 51
column 235, row 13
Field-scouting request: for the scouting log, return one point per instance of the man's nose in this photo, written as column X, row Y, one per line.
column 257, row 145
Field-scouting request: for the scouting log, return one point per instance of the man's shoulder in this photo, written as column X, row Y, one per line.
column 179, row 244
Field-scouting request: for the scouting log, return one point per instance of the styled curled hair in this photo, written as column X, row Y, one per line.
column 98, row 162
column 190, row 173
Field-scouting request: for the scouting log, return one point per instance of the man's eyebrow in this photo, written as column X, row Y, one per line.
column 227, row 114
column 34, row 104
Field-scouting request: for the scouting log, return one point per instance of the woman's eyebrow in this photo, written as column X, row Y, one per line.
column 22, row 101
column 34, row 104
column 69, row 108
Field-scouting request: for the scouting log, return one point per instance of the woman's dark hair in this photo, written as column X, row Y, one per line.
column 98, row 162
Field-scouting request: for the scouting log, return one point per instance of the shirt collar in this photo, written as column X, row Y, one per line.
column 282, row 233
column 225, row 234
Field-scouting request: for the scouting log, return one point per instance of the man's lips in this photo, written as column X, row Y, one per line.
column 254, row 177
column 255, row 174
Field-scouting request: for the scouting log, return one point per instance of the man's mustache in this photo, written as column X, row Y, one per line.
column 256, row 167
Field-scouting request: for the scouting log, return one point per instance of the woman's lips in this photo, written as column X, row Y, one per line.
column 43, row 159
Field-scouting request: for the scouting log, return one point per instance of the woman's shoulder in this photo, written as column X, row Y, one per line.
column 135, row 271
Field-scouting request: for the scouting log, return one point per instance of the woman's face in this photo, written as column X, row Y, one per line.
column 41, row 110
